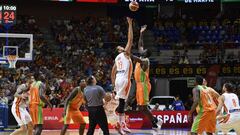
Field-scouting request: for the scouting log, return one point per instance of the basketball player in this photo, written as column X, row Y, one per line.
column 141, row 75
column 121, row 76
column 71, row 109
column 206, row 117
column 37, row 101
column 110, row 109
column 230, row 103
column 19, row 110
column 213, row 93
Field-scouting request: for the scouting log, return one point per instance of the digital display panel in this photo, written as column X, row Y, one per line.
column 148, row 1
column 63, row 0
column 99, row 1
column 8, row 14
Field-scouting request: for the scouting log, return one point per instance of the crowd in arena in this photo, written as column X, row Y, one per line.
column 212, row 36
column 85, row 47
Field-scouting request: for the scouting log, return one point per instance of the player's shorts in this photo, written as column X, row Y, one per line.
column 36, row 112
column 74, row 117
column 122, row 87
column 142, row 93
column 21, row 115
column 232, row 121
column 204, row 121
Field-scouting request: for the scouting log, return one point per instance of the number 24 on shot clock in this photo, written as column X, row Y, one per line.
column 8, row 14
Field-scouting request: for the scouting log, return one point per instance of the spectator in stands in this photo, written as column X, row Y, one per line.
column 167, row 108
column 55, row 101
column 3, row 99
column 156, row 107
column 178, row 104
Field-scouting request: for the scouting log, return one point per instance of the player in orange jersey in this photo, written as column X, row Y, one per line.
column 143, row 85
column 71, row 109
column 37, row 102
column 206, row 117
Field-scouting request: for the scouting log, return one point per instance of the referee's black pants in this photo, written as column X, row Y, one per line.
column 98, row 116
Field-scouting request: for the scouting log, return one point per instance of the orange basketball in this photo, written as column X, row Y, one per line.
column 133, row 6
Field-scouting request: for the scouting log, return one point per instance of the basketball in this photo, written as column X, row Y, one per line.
column 133, row 6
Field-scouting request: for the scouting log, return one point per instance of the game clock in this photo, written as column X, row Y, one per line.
column 98, row 1
column 8, row 14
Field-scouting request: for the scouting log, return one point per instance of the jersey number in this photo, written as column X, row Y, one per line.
column 234, row 103
column 120, row 64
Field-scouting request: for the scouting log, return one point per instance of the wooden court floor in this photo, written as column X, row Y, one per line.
column 113, row 132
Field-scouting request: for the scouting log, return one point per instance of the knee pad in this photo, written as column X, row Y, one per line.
column 121, row 105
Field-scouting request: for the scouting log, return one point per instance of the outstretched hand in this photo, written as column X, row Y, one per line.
column 143, row 28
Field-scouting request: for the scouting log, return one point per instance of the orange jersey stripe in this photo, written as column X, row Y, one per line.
column 77, row 101
column 139, row 74
column 17, row 107
column 34, row 94
column 129, row 77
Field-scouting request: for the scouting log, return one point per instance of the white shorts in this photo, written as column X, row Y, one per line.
column 112, row 118
column 122, row 87
column 21, row 115
column 232, row 123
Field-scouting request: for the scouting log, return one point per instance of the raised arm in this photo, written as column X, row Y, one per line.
column 140, row 41
column 144, row 62
column 130, row 37
column 113, row 74
column 135, row 58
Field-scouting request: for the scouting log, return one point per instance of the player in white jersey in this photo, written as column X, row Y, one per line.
column 20, row 112
column 110, row 109
column 229, row 102
column 121, row 75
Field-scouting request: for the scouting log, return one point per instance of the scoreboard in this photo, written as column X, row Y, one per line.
column 98, row 1
column 149, row 1
column 8, row 14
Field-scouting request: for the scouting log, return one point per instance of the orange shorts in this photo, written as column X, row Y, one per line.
column 142, row 93
column 204, row 121
column 36, row 113
column 74, row 117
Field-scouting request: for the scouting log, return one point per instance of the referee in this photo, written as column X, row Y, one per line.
column 94, row 96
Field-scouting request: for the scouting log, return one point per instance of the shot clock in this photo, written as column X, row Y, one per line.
column 8, row 14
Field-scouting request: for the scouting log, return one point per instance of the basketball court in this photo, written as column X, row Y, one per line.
column 134, row 132
column 113, row 132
